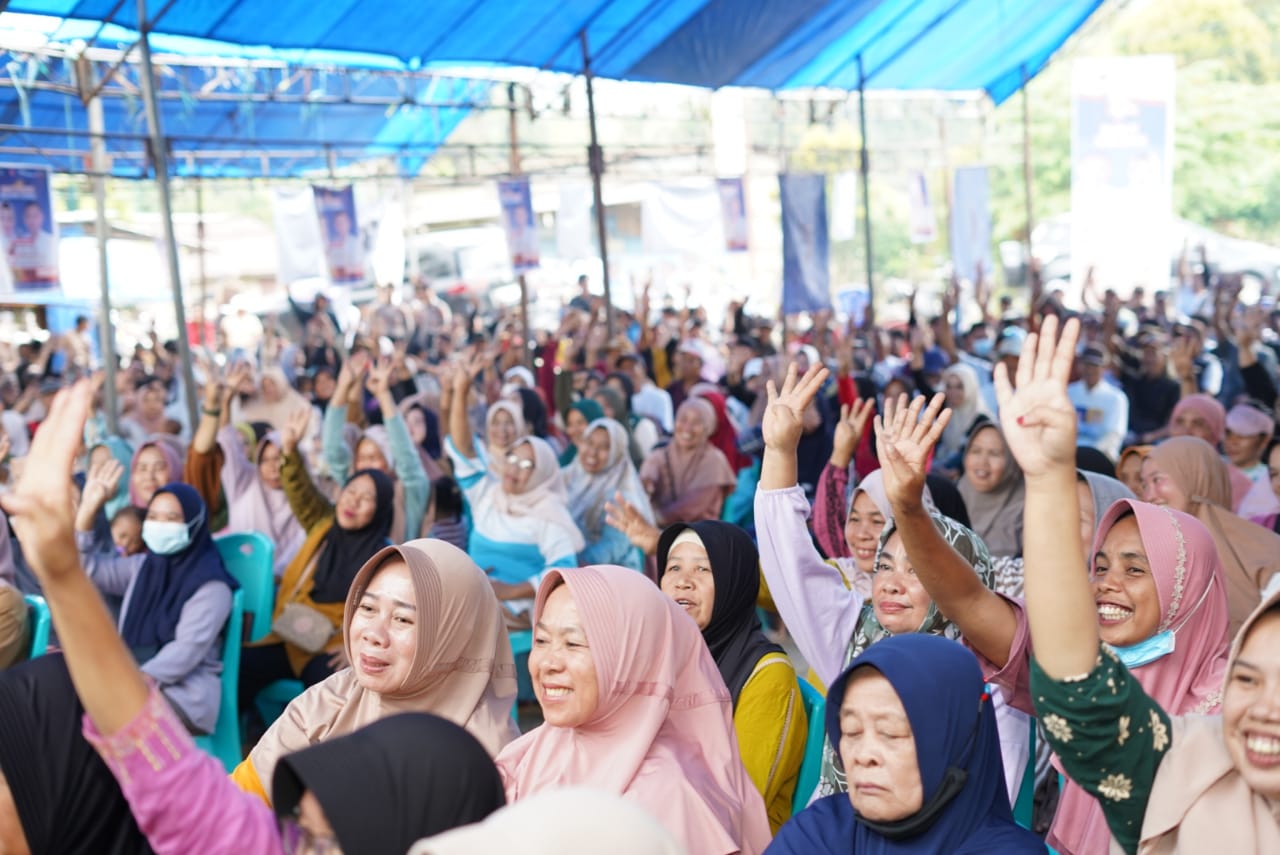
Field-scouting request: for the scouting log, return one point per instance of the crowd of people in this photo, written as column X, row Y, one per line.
column 1029, row 560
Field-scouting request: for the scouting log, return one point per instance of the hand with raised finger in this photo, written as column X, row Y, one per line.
column 1038, row 418
column 294, row 429
column 624, row 516
column 850, row 429
column 904, row 441
column 783, row 423
column 41, row 506
column 378, row 381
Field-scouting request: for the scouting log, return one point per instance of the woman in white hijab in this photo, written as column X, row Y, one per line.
column 600, row 471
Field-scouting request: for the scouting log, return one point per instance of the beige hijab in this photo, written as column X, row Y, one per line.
column 463, row 670
column 1250, row 553
column 257, row 408
column 1199, row 802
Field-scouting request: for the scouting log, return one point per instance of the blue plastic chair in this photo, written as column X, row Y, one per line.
column 1024, row 808
column 39, row 611
column 521, row 644
column 815, row 710
column 249, row 557
column 272, row 700
column 224, row 742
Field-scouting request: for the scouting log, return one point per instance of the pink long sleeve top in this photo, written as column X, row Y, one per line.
column 181, row 797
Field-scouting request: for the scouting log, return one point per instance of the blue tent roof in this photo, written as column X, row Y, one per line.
column 776, row 44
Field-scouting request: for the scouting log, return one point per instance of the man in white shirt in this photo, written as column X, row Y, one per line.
column 649, row 400
column 1103, row 409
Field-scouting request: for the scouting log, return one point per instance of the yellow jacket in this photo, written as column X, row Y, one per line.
column 772, row 730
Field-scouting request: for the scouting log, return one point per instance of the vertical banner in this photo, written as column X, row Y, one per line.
column 1122, row 171
column 806, row 276
column 844, row 206
column 574, row 224
column 970, row 222
column 733, row 212
column 28, row 230
column 681, row 220
column 299, row 245
column 924, row 227
column 518, row 221
column 340, row 234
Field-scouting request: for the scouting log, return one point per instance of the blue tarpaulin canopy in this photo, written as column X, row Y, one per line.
column 992, row 45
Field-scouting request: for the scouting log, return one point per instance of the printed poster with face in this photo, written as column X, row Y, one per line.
column 519, row 224
column 28, row 232
column 733, row 210
column 340, row 234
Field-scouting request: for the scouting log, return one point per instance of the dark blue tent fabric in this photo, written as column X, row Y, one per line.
column 992, row 45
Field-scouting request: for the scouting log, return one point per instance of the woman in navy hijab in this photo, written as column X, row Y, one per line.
column 915, row 731
column 177, row 594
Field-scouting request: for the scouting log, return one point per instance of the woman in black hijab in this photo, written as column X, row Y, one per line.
column 385, row 786
column 62, row 794
column 712, row 570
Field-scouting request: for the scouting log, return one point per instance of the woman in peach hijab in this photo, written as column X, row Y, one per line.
column 424, row 633
column 1186, row 474
column 634, row 705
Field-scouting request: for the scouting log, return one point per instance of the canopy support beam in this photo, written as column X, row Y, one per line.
column 1027, row 172
column 160, row 159
column 595, row 160
column 513, row 132
column 864, row 166
column 106, row 334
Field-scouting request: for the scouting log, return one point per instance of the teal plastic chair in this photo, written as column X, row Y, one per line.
column 39, row 611
column 521, row 644
column 1024, row 808
column 815, row 710
column 272, row 700
column 249, row 557
column 224, row 742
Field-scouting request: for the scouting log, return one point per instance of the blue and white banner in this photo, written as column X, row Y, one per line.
column 806, row 275
column 733, row 211
column 970, row 222
column 28, row 232
column 924, row 226
column 519, row 224
column 340, row 234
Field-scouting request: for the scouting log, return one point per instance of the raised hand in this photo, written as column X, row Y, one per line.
column 849, row 430
column 102, row 482
column 42, row 504
column 294, row 429
column 904, row 441
column 624, row 516
column 1038, row 419
column 783, row 422
column 379, row 379
column 1182, row 358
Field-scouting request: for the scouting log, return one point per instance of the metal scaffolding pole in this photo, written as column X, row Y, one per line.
column 595, row 160
column 513, row 131
column 106, row 335
column 160, row 159
column 865, row 168
column 1027, row 172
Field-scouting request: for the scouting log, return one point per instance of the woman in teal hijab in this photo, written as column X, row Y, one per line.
column 577, row 416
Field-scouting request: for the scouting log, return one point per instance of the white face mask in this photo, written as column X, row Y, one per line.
column 165, row 538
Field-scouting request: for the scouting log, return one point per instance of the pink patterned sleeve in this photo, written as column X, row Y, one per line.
column 829, row 511
column 181, row 797
column 1014, row 679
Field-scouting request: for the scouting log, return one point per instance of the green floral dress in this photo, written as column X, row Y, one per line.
column 1110, row 737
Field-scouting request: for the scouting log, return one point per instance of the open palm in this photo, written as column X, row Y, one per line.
column 1038, row 419
column 784, row 416
column 904, row 441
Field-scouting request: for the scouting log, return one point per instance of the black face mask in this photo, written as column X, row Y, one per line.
column 953, row 781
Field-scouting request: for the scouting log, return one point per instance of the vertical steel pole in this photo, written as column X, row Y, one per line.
column 106, row 334
column 1027, row 172
column 595, row 160
column 204, row 278
column 865, row 168
column 160, row 158
column 513, row 133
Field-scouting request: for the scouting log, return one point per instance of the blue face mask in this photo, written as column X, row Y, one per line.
column 165, row 538
column 982, row 348
column 1146, row 651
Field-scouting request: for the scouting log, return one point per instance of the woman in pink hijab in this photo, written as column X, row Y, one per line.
column 633, row 705
column 1202, row 416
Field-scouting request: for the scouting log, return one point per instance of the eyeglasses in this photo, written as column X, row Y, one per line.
column 521, row 463
column 296, row 840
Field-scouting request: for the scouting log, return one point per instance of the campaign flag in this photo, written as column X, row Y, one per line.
column 340, row 234
column 970, row 222
column 1122, row 171
column 518, row 221
column 733, row 211
column 924, row 228
column 299, row 245
column 806, row 278
column 844, row 206
column 28, row 231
